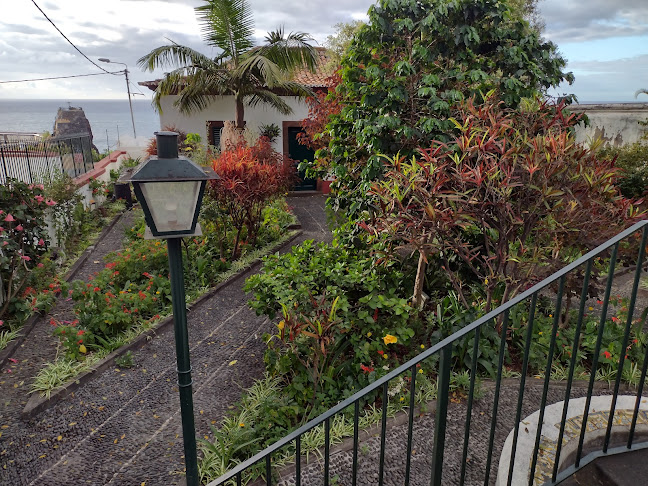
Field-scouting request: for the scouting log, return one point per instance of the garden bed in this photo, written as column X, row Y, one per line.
column 38, row 403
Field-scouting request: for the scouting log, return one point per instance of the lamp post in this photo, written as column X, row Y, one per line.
column 130, row 103
column 170, row 190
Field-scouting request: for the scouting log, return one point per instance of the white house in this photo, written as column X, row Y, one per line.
column 208, row 123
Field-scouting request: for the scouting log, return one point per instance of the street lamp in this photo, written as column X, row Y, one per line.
column 130, row 103
column 170, row 190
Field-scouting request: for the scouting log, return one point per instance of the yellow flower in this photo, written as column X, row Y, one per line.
column 389, row 339
column 241, row 424
column 486, row 281
column 422, row 346
column 402, row 398
column 540, row 333
column 369, row 334
column 421, row 371
column 82, row 349
column 591, row 308
column 281, row 325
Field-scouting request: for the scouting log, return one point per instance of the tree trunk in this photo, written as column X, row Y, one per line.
column 420, row 279
column 239, row 115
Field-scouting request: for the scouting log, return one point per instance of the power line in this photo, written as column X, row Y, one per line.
column 65, row 37
column 60, row 77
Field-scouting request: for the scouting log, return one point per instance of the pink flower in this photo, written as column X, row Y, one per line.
column 5, row 243
column 50, row 202
column 40, row 199
column 40, row 265
column 41, row 187
column 1, row 229
column 19, row 227
column 1, row 322
column 26, row 258
column 13, row 360
column 41, row 242
column 9, row 218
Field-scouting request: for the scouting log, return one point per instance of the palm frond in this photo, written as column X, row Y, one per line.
column 641, row 91
column 289, row 53
column 228, row 25
column 173, row 55
column 268, row 97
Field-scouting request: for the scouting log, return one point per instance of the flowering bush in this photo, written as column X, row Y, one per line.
column 23, row 237
column 345, row 321
column 250, row 178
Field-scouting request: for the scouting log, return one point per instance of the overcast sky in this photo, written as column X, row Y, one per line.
column 605, row 41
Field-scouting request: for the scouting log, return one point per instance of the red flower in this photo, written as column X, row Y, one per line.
column 80, row 341
column 381, row 353
column 81, row 333
column 616, row 319
column 366, row 369
column 607, row 355
column 97, row 289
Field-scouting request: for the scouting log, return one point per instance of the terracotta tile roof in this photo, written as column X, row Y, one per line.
column 318, row 79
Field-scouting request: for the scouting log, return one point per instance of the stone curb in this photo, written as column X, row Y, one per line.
column 8, row 352
column 37, row 404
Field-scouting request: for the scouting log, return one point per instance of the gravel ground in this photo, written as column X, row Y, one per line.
column 423, row 436
column 124, row 427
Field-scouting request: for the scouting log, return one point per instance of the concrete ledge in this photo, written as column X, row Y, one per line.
column 37, row 404
column 599, row 410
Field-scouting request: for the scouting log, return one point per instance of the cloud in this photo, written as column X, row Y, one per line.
column 572, row 21
column 21, row 29
column 614, row 80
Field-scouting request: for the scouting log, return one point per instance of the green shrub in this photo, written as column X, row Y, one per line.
column 345, row 321
column 633, row 161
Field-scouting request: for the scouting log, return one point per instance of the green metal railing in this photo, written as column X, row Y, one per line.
column 480, row 421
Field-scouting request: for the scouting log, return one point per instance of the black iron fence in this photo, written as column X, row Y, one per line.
column 536, row 418
column 37, row 161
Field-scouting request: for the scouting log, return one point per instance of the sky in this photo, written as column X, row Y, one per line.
column 605, row 42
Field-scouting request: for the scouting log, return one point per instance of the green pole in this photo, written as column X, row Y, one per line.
column 182, row 354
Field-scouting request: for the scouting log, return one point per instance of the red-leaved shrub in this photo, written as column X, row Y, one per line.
column 250, row 177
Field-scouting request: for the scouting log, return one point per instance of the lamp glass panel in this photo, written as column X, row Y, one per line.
column 172, row 204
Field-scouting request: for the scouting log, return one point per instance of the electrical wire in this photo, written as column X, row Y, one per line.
column 60, row 77
column 71, row 43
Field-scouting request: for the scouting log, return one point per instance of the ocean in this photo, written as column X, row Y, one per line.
column 110, row 120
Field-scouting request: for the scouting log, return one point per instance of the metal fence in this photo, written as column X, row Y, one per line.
column 532, row 429
column 37, row 161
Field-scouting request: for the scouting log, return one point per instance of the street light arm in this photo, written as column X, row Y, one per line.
column 130, row 102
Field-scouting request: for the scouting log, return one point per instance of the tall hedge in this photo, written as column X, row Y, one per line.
column 411, row 64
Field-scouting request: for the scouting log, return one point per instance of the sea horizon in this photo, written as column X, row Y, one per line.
column 110, row 119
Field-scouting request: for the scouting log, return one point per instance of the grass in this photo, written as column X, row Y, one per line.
column 7, row 336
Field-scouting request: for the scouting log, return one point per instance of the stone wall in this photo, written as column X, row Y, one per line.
column 614, row 123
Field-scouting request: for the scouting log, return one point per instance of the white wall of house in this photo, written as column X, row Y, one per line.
column 223, row 109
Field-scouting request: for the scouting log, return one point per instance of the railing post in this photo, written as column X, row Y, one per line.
column 4, row 164
column 31, row 177
column 443, row 397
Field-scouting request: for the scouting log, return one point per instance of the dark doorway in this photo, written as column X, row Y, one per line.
column 299, row 153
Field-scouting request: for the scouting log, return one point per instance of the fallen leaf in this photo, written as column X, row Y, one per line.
column 232, row 363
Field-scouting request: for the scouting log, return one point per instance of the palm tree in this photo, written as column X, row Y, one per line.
column 251, row 74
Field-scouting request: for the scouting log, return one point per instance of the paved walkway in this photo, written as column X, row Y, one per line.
column 124, row 428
